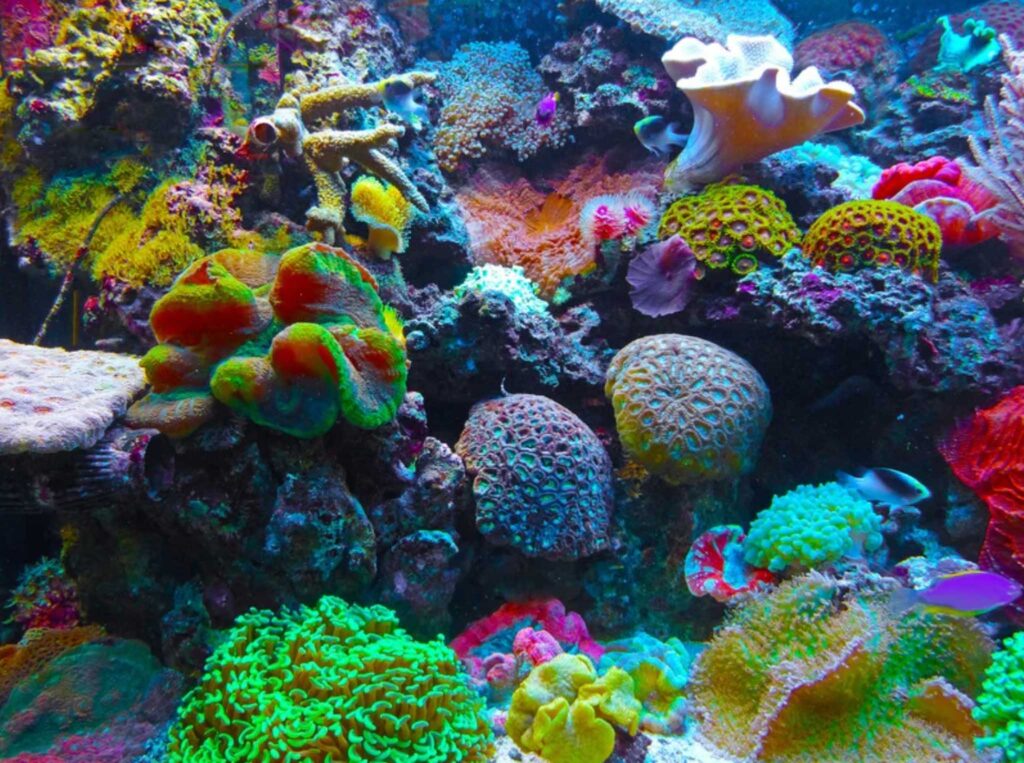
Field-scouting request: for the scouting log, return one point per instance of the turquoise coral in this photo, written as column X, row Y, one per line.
column 511, row 282
column 964, row 52
column 812, row 526
column 331, row 682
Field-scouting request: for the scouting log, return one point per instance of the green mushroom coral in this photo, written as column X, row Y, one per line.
column 812, row 526
column 1000, row 707
column 333, row 682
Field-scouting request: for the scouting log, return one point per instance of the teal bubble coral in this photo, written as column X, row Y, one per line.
column 333, row 682
column 812, row 526
column 1000, row 707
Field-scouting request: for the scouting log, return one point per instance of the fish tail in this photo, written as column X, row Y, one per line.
column 901, row 601
column 846, row 480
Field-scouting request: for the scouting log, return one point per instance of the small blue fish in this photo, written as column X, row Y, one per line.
column 964, row 594
column 546, row 109
column 404, row 100
column 656, row 135
column 888, row 486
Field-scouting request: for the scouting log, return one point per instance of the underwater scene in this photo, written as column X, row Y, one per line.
column 527, row 381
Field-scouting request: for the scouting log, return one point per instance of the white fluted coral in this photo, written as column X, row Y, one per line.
column 746, row 105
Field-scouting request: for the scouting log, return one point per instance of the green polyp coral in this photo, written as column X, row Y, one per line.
column 814, row 672
column 812, row 526
column 332, row 682
column 566, row 713
column 302, row 125
column 512, row 282
column 932, row 88
column 308, row 342
column 1000, row 708
column 964, row 52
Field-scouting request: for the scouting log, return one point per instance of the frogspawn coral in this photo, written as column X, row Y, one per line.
column 319, row 345
column 329, row 682
column 541, row 479
column 686, row 409
column 746, row 107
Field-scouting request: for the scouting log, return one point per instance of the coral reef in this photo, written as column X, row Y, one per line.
column 45, row 598
column 716, row 567
column 687, row 409
column 541, row 478
column 875, row 234
column 373, row 690
column 812, row 526
column 978, row 46
column 1000, row 706
column 809, row 671
column 671, row 19
column 386, row 213
column 748, row 82
column 52, row 400
column 332, row 348
column 731, row 227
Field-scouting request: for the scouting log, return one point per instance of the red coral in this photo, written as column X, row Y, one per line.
column 45, row 598
column 938, row 188
column 715, row 565
column 987, row 454
column 861, row 52
column 28, row 25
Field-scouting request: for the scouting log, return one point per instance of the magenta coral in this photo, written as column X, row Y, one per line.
column 715, row 566
column 45, row 598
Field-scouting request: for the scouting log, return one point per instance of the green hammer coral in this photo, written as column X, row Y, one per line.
column 333, row 682
column 1001, row 703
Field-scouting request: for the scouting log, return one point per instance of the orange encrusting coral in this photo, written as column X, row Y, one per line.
column 512, row 222
column 38, row 647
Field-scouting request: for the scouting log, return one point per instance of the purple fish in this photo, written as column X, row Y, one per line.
column 546, row 109
column 661, row 278
column 971, row 592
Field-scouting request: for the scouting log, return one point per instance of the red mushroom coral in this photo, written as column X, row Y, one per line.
column 938, row 188
column 715, row 566
column 987, row 453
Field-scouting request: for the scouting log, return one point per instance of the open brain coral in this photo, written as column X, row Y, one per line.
column 807, row 673
column 732, row 226
column 541, row 478
column 686, row 409
column 334, row 682
column 875, row 233
column 812, row 526
column 320, row 345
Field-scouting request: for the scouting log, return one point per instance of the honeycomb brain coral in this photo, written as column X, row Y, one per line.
column 334, row 682
column 541, row 479
column 810, row 673
column 686, row 409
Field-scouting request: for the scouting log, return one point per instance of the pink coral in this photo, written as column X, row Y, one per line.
column 536, row 646
column 715, row 566
column 28, row 25
column 938, row 188
column 861, row 51
column 45, row 598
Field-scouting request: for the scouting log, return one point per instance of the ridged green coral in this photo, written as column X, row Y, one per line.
column 334, row 682
column 1000, row 706
column 565, row 713
column 812, row 526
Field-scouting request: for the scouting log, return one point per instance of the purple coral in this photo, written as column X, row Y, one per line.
column 661, row 278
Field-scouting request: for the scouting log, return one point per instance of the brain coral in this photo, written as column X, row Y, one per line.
column 334, row 682
column 810, row 673
column 732, row 226
column 490, row 93
column 875, row 233
column 686, row 409
column 860, row 51
column 811, row 526
column 673, row 19
column 1001, row 703
column 541, row 479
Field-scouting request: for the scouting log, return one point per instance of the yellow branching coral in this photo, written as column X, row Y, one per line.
column 386, row 212
column 809, row 673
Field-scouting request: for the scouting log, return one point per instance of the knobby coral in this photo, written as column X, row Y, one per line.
column 330, row 682
column 746, row 107
column 810, row 673
column 1001, row 703
column 686, row 409
column 875, row 234
column 541, row 479
column 731, row 227
column 296, row 128
column 318, row 344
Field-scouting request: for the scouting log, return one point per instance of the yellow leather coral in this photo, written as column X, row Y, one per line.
column 386, row 211
column 875, row 234
column 731, row 226
column 565, row 713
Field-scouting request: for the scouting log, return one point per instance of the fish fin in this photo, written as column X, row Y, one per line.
column 935, row 609
column 901, row 601
column 846, row 480
column 674, row 134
